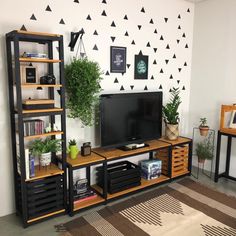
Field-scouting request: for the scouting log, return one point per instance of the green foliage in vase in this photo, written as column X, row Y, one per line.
column 170, row 110
column 204, row 149
column 203, row 122
column 82, row 86
column 40, row 146
column 72, row 142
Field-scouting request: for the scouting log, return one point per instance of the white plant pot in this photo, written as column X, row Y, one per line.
column 45, row 159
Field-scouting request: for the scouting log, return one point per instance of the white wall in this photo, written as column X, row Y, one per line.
column 213, row 80
column 14, row 14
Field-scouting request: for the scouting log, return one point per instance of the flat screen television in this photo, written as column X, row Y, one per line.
column 130, row 118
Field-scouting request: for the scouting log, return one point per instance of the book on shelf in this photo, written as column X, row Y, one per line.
column 33, row 127
column 89, row 194
column 27, row 162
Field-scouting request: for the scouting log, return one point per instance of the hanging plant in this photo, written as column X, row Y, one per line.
column 82, row 87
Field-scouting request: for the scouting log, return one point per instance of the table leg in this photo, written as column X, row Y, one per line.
column 217, row 156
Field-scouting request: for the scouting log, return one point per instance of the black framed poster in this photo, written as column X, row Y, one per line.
column 141, row 67
column 118, row 60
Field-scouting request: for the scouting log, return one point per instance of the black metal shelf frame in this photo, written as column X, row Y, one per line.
column 13, row 40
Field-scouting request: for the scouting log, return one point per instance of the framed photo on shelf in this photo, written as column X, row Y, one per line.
column 29, row 74
column 118, row 60
column 232, row 123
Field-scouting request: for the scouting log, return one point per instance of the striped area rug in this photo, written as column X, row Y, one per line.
column 183, row 208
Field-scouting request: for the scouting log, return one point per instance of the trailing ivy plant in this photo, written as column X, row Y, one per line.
column 82, row 87
column 170, row 110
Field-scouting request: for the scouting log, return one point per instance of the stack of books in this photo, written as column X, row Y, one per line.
column 83, row 192
column 33, row 127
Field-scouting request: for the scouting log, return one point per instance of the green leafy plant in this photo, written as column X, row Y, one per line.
column 72, row 142
column 170, row 110
column 82, row 86
column 40, row 146
column 203, row 122
column 204, row 149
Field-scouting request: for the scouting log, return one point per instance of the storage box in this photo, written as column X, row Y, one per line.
column 31, row 104
column 150, row 169
column 120, row 176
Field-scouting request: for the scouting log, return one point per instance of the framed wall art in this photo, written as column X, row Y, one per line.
column 141, row 67
column 118, row 59
column 232, row 123
column 29, row 74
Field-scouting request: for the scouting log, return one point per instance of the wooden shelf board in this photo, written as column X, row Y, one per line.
column 179, row 173
column 29, row 86
column 228, row 131
column 37, row 33
column 84, row 160
column 178, row 141
column 87, row 203
column 42, row 110
column 144, row 183
column 40, row 60
column 43, row 135
column 43, row 172
column 44, row 216
column 110, row 154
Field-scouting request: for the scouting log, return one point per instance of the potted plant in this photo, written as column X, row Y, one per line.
column 203, row 127
column 44, row 148
column 72, row 149
column 204, row 150
column 171, row 115
column 82, row 86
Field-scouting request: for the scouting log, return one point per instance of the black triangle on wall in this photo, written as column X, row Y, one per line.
column 132, row 87
column 179, row 16
column 188, row 10
column 178, row 81
column 104, row 1
column 170, row 90
column 125, row 17
column 95, row 32
column 186, row 46
column 113, row 24
column 161, row 38
column 184, row 35
column 104, row 13
column 139, row 27
column 166, row 19
column 62, row 22
column 145, row 88
column 48, row 8
column 171, row 76
column 151, row 21
column 179, row 69
column 155, row 49
column 113, row 38
column 148, row 45
column 33, row 17
column 160, row 87
column 161, row 71
column 183, row 88
column 179, row 27
column 107, row 73
column 116, row 81
column 140, row 52
column 77, row 1
column 133, row 42
column 88, row 17
column 174, row 56
column 95, row 47
column 122, row 88
column 126, row 33
column 185, row 63
column 152, row 77
column 178, row 41
column 167, row 46
column 23, row 28
column 167, row 61
column 155, row 31
column 128, row 66
column 143, row 10
column 154, row 62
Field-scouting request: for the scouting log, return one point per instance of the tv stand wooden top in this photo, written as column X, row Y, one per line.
column 117, row 153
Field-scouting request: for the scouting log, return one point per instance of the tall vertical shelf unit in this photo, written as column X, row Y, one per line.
column 44, row 195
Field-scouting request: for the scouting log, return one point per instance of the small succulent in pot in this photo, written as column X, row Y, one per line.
column 203, row 127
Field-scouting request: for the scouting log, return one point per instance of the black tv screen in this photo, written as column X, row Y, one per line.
column 130, row 118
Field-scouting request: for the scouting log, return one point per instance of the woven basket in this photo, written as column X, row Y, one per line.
column 172, row 131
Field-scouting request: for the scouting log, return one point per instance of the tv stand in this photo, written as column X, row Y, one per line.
column 133, row 146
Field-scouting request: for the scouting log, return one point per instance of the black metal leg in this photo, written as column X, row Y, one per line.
column 190, row 148
column 105, row 180
column 228, row 154
column 217, row 156
column 170, row 161
column 71, row 192
column 150, row 155
column 88, row 175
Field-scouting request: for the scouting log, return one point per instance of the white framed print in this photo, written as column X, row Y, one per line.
column 232, row 123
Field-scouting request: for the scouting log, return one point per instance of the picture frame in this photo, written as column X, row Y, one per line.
column 232, row 123
column 29, row 74
column 118, row 59
column 141, row 67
